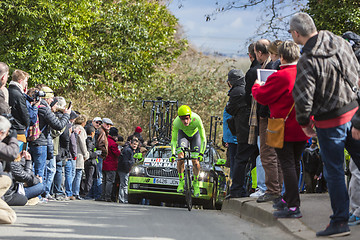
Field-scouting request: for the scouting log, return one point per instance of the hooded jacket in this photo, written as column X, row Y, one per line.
column 320, row 89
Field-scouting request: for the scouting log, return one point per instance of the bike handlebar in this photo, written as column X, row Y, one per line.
column 159, row 100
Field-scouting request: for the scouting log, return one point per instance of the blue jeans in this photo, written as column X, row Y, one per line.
column 58, row 179
column 69, row 176
column 96, row 189
column 34, row 191
column 50, row 174
column 332, row 143
column 77, row 182
column 38, row 155
column 260, row 173
column 123, row 188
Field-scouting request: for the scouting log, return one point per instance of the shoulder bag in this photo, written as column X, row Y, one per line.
column 275, row 131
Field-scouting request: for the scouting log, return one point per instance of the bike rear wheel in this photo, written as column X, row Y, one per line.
column 188, row 193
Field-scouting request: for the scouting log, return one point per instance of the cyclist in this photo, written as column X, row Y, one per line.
column 188, row 131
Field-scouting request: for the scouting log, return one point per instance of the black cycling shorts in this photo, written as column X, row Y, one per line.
column 194, row 142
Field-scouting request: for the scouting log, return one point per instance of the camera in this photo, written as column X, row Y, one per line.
column 35, row 96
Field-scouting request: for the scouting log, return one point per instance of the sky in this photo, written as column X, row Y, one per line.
column 227, row 34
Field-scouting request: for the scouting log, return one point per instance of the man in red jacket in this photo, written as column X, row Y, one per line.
column 110, row 165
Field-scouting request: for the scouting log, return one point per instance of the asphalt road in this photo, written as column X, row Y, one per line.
column 100, row 220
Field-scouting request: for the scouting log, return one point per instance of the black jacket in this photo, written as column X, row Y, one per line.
column 48, row 118
column 126, row 159
column 90, row 144
column 21, row 172
column 17, row 102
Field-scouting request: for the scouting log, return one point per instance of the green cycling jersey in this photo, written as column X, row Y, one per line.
column 194, row 126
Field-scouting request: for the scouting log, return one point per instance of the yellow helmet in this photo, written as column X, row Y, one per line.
column 184, row 110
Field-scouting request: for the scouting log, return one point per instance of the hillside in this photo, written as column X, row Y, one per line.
column 194, row 79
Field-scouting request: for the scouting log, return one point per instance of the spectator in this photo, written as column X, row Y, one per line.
column 323, row 90
column 9, row 150
column 125, row 163
column 276, row 92
column 82, row 154
column 70, row 167
column 95, row 191
column 4, row 99
column 238, row 108
column 274, row 55
column 269, row 159
column 17, row 102
column 90, row 164
column 102, row 145
column 21, row 170
column 313, row 166
column 47, row 119
column 230, row 142
column 110, row 165
column 50, row 168
column 137, row 134
column 59, row 150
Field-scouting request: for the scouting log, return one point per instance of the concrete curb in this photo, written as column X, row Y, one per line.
column 262, row 213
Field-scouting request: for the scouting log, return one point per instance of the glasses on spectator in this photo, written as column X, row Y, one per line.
column 98, row 122
column 290, row 30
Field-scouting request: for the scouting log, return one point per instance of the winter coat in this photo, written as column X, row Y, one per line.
column 4, row 106
column 126, row 160
column 110, row 163
column 17, row 102
column 228, row 137
column 9, row 150
column 320, row 89
column 102, row 142
column 90, row 145
column 82, row 152
column 21, row 172
column 277, row 94
column 47, row 120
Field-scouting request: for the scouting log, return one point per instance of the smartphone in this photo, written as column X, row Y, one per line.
column 69, row 104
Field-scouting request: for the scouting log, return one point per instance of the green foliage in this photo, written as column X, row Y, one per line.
column 337, row 16
column 88, row 43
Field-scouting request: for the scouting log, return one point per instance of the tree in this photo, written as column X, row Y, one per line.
column 337, row 16
column 334, row 15
column 70, row 45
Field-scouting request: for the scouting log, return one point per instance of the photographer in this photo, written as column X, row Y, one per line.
column 47, row 119
column 9, row 150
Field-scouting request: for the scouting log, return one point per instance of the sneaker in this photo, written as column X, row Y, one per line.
column 267, row 197
column 335, row 230
column 258, row 193
column 33, row 201
column 43, row 200
column 288, row 213
column 50, row 198
column 180, row 187
column 72, row 198
column 100, row 199
column 196, row 188
column 78, row 197
column 280, row 205
column 353, row 220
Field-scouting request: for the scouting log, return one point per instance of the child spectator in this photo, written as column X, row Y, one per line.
column 313, row 166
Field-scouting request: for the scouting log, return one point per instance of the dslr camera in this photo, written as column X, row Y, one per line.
column 36, row 96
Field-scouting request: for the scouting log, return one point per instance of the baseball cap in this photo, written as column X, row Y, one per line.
column 97, row 119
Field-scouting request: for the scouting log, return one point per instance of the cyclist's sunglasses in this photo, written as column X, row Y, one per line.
column 184, row 117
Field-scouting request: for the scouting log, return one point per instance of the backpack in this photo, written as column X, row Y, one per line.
column 354, row 41
column 34, row 131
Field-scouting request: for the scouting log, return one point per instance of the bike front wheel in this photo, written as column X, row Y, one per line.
column 188, row 193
